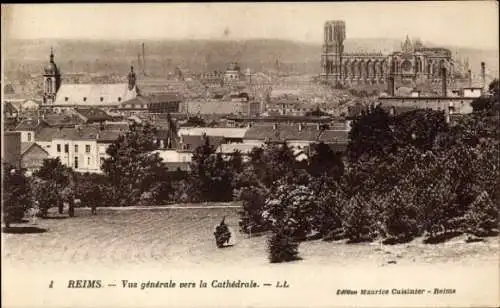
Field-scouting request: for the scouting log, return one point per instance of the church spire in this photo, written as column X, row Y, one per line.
column 407, row 45
column 51, row 54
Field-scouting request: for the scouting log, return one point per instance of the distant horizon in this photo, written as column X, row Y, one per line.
column 121, row 40
column 471, row 24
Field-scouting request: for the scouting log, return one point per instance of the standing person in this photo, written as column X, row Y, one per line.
column 33, row 213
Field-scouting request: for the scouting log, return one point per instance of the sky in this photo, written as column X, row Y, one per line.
column 458, row 23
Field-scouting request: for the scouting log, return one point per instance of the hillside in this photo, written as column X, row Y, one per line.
column 93, row 56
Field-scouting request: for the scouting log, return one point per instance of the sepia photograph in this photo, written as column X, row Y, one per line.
column 322, row 154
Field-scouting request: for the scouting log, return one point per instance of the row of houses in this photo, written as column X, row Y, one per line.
column 299, row 136
column 83, row 146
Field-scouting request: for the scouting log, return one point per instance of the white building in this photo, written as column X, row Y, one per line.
column 82, row 148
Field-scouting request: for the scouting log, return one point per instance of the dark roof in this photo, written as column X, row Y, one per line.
column 399, row 109
column 46, row 134
column 196, row 141
column 334, row 136
column 215, row 107
column 8, row 108
column 25, row 146
column 80, row 133
column 280, row 132
column 138, row 100
column 337, row 147
column 149, row 85
column 9, row 124
column 109, row 135
column 292, row 132
column 30, row 125
column 169, row 97
column 93, row 114
column 66, row 120
column 423, row 97
column 282, row 118
column 8, row 89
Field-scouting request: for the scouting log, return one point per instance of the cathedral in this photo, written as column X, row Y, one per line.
column 413, row 63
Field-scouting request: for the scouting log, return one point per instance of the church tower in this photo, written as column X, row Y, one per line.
column 333, row 49
column 51, row 80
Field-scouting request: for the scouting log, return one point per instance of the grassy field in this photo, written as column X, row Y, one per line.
column 177, row 244
column 185, row 237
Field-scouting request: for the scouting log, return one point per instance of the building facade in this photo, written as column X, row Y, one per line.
column 413, row 62
column 60, row 95
column 32, row 156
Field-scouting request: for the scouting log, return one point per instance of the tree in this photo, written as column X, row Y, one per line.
column 323, row 161
column 16, row 195
column 482, row 216
column 488, row 104
column 58, row 175
column 46, row 194
column 328, row 218
column 294, row 205
column 200, row 180
column 419, row 128
column 401, row 215
column 131, row 167
column 275, row 163
column 53, row 170
column 371, row 135
column 359, row 220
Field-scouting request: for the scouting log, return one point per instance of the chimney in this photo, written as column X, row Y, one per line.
column 143, row 60
column 470, row 78
column 483, row 75
column 443, row 77
column 390, row 86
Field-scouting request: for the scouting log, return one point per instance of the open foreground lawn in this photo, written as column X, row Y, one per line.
column 162, row 245
column 184, row 236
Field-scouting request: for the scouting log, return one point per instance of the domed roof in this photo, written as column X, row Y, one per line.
column 51, row 67
column 233, row 66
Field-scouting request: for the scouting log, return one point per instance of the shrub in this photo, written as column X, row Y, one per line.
column 251, row 220
column 401, row 215
column 328, row 218
column 359, row 222
column 482, row 216
column 45, row 192
column 282, row 246
column 291, row 202
column 16, row 195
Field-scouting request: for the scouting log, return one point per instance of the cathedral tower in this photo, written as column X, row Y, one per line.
column 51, row 80
column 333, row 49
